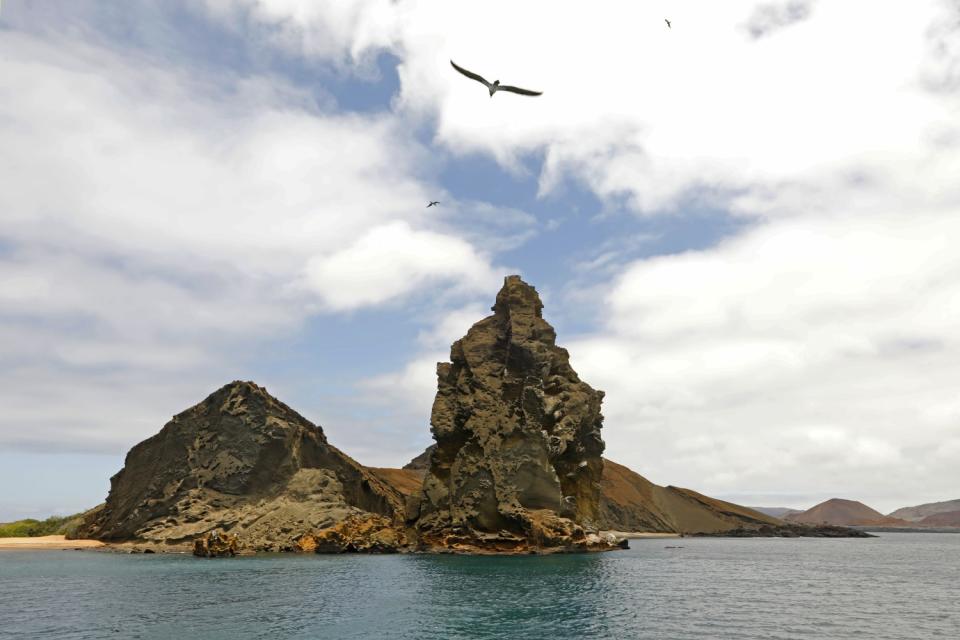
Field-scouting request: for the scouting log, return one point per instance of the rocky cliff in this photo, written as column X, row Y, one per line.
column 517, row 462
column 242, row 462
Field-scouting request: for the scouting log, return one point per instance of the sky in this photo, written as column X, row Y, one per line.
column 742, row 228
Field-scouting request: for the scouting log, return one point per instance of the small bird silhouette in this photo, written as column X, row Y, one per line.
column 669, row 26
column 494, row 86
column 433, row 203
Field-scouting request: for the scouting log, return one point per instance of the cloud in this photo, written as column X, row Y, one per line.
column 824, row 112
column 813, row 349
column 771, row 17
column 392, row 260
column 150, row 212
column 812, row 354
column 159, row 225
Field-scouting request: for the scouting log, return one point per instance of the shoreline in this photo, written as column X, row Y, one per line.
column 642, row 535
column 52, row 543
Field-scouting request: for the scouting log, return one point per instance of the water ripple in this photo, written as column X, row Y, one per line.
column 899, row 586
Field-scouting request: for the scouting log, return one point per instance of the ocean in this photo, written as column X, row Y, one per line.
column 896, row 586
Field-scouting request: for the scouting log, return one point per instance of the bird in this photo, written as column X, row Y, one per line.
column 433, row 203
column 494, row 86
column 668, row 23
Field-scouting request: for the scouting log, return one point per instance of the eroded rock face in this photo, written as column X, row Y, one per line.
column 518, row 450
column 216, row 545
column 243, row 462
column 368, row 533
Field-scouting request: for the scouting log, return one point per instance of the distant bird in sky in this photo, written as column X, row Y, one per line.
column 669, row 26
column 494, row 86
column 433, row 203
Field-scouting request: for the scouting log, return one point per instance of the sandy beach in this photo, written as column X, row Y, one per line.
column 637, row 535
column 47, row 542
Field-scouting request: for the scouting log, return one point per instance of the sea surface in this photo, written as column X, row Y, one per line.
column 896, row 586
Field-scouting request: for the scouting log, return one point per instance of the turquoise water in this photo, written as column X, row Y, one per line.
column 896, row 586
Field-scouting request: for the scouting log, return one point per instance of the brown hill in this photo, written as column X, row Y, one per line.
column 919, row 512
column 838, row 511
column 630, row 502
column 944, row 519
column 241, row 461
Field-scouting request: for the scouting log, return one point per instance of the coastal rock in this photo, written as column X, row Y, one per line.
column 517, row 463
column 242, row 462
column 788, row 530
column 214, row 545
column 357, row 534
column 629, row 503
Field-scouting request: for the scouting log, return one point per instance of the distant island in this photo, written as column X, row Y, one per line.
column 517, row 467
column 933, row 516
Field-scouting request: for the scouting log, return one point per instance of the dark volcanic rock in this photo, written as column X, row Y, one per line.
column 517, row 462
column 242, row 462
column 789, row 531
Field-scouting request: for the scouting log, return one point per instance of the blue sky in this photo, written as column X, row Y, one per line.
column 236, row 189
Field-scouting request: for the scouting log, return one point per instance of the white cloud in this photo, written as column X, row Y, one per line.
column 157, row 224
column 392, row 260
column 815, row 350
column 817, row 111
column 815, row 355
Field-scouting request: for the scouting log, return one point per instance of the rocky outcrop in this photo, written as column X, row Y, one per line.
column 368, row 533
column 241, row 462
column 789, row 530
column 629, row 503
column 517, row 463
column 216, row 545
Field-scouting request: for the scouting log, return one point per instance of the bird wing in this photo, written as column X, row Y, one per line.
column 523, row 92
column 470, row 74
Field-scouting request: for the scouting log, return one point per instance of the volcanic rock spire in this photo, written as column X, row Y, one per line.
column 517, row 463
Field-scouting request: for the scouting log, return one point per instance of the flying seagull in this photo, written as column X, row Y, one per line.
column 668, row 23
column 494, row 86
column 433, row 203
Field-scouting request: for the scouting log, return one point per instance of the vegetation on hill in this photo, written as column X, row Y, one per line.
column 30, row 528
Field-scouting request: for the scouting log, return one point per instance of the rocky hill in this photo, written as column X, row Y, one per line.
column 919, row 512
column 517, row 462
column 838, row 511
column 239, row 461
